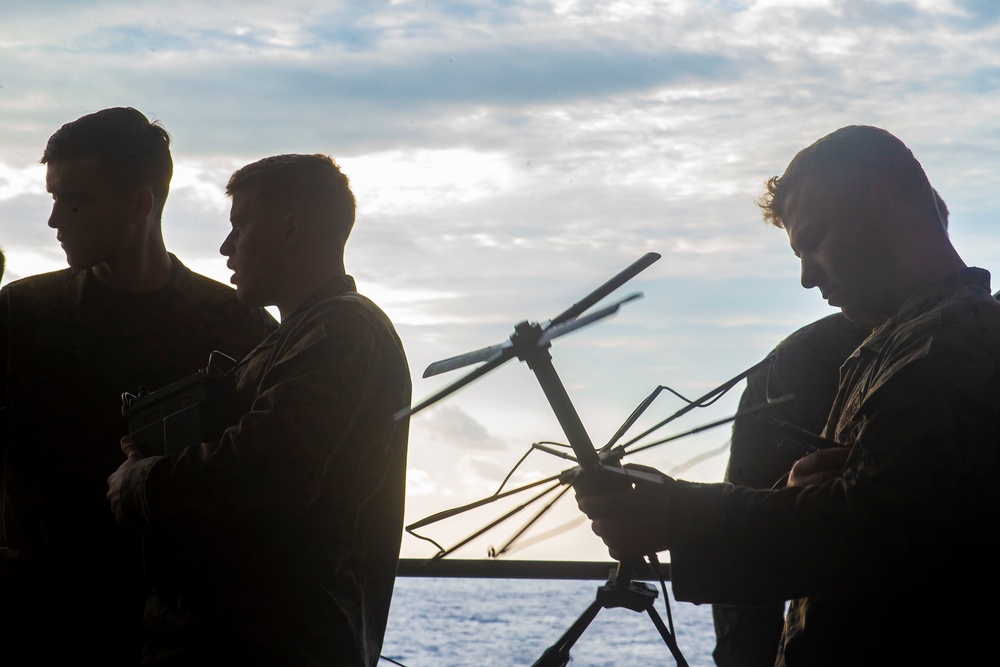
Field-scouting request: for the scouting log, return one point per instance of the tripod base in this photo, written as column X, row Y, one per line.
column 620, row 591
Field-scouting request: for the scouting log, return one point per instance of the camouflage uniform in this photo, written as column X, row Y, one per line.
column 806, row 364
column 71, row 348
column 278, row 544
column 889, row 561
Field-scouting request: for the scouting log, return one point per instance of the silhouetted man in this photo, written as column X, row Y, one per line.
column 126, row 314
column 806, row 364
column 869, row 538
column 279, row 543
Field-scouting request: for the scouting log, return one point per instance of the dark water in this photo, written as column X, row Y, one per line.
column 508, row 622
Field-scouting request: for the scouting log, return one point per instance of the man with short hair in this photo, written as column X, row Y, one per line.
column 870, row 539
column 125, row 315
column 279, row 543
column 806, row 365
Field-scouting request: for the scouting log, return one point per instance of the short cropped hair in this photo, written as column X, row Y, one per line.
column 314, row 181
column 135, row 151
column 856, row 153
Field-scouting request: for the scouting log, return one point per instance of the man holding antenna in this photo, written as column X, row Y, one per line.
column 869, row 539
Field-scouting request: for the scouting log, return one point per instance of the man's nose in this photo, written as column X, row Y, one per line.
column 227, row 245
column 811, row 272
column 55, row 217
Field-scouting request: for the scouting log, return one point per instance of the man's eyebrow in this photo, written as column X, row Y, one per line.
column 791, row 244
column 806, row 231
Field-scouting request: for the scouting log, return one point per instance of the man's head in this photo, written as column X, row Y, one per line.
column 849, row 158
column 859, row 210
column 291, row 217
column 132, row 152
column 107, row 172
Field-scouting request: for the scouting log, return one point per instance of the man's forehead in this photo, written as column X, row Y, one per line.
column 813, row 195
column 796, row 206
column 242, row 203
column 80, row 172
column 251, row 202
column 808, row 208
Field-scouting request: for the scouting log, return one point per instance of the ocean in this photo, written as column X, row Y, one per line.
column 453, row 622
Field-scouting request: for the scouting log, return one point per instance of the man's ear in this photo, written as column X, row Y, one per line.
column 294, row 228
column 142, row 204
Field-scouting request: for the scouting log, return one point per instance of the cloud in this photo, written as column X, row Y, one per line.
column 451, row 426
column 509, row 157
column 482, row 472
column 420, row 483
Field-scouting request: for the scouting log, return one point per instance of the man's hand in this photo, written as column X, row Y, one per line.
column 818, row 467
column 633, row 523
column 133, row 455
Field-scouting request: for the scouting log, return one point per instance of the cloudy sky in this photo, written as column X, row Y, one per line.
column 507, row 158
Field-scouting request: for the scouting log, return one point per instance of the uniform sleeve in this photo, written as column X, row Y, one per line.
column 918, row 489
column 806, row 364
column 310, row 433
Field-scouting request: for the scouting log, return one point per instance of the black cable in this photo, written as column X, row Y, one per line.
column 654, row 563
column 534, row 446
column 442, row 552
column 703, row 401
column 494, row 553
column 669, row 635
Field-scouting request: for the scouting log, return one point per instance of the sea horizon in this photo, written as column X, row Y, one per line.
column 464, row 622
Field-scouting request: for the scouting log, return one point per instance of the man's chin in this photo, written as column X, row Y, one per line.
column 80, row 263
column 864, row 318
column 247, row 297
column 848, row 312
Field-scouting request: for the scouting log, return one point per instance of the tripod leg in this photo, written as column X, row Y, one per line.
column 668, row 638
column 557, row 655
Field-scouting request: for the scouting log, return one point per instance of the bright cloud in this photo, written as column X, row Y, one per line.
column 509, row 157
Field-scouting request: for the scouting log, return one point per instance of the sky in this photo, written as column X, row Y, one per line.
column 508, row 158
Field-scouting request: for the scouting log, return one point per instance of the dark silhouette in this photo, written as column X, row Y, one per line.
column 126, row 314
column 806, row 364
column 868, row 536
column 278, row 544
